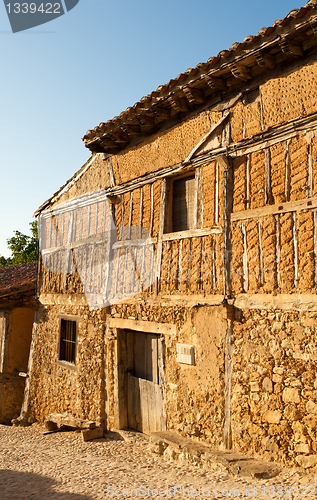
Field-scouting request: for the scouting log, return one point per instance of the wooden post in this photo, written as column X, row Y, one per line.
column 227, row 186
column 247, row 175
column 68, row 246
column 278, row 248
column 129, row 237
column 261, row 254
column 268, row 189
column 107, row 258
column 216, row 194
column 190, row 259
column 196, row 197
column 118, row 251
column 245, row 259
column 295, row 240
column 159, row 238
column 310, row 178
column 287, row 172
column 180, row 268
column 111, row 174
column 315, row 245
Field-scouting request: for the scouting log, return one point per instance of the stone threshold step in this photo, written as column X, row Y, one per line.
column 172, row 446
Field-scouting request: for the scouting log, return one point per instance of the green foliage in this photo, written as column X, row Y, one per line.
column 23, row 248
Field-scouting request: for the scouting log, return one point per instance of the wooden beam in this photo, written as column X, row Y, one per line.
column 191, row 233
column 240, row 71
column 195, row 96
column 108, row 143
column 245, row 258
column 247, row 176
column 143, row 326
column 111, row 174
column 215, row 83
column 287, row 171
column 265, row 60
column 131, row 129
column 234, row 150
column 180, row 105
column 190, row 260
column 227, row 190
column 206, row 136
column 216, row 207
column 161, row 113
column 146, row 120
column 284, row 302
column 180, row 259
column 315, row 248
column 313, row 24
column 160, row 236
column 268, row 190
column 290, row 48
column 310, row 177
column 119, row 137
column 280, row 208
column 278, row 248
column 295, row 241
column 261, row 253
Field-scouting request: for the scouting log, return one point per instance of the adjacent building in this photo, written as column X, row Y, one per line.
column 17, row 309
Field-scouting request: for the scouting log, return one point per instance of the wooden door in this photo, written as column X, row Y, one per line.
column 146, row 389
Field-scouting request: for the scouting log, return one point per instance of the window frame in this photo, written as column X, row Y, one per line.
column 168, row 223
column 64, row 362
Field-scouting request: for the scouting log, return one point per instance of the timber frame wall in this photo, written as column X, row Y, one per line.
column 240, row 285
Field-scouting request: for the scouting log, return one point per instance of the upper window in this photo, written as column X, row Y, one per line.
column 68, row 338
column 183, row 202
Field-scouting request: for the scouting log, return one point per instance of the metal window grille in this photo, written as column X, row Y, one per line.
column 67, row 349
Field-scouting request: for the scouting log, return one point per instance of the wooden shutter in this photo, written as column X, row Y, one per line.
column 183, row 204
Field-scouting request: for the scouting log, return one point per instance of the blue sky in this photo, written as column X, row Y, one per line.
column 68, row 75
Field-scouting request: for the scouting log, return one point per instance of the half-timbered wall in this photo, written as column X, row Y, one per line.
column 253, row 245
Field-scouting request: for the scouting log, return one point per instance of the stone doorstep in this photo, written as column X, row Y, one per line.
column 57, row 420
column 202, row 454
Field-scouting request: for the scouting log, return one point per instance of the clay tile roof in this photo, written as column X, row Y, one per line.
column 18, row 278
column 225, row 55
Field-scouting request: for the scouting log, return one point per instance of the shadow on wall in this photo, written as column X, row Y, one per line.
column 24, row 486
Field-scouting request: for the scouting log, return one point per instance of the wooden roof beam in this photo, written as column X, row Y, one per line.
column 240, row 71
column 215, row 83
column 289, row 48
column 119, row 137
column 131, row 129
column 179, row 105
column 108, row 143
column 161, row 113
column 265, row 60
column 313, row 24
column 194, row 96
column 146, row 121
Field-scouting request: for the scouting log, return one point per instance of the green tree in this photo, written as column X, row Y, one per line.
column 23, row 248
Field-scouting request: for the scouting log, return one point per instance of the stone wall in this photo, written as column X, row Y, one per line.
column 274, row 400
column 57, row 386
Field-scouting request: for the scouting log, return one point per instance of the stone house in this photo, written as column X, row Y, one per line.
column 17, row 309
column 177, row 283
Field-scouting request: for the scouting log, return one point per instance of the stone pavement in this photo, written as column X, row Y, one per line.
column 60, row 466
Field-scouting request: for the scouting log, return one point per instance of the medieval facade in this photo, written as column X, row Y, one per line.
column 177, row 284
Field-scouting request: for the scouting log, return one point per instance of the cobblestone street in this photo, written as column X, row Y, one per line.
column 61, row 466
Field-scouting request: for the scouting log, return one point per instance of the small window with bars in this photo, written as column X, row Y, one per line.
column 183, row 202
column 68, row 336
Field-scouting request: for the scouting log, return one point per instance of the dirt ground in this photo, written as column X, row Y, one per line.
column 61, row 466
